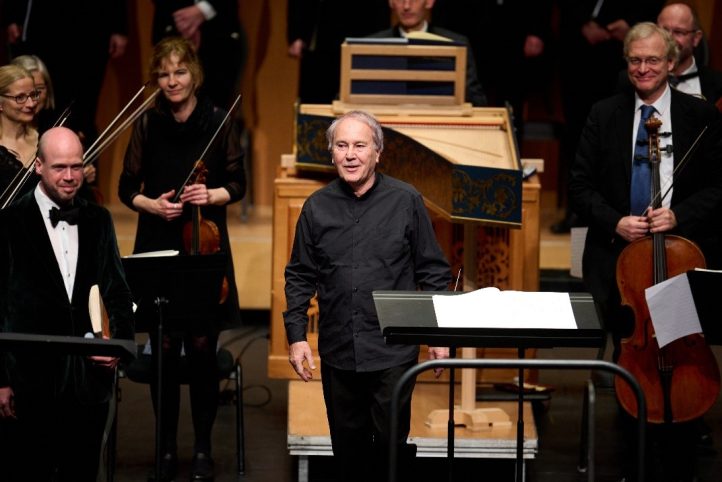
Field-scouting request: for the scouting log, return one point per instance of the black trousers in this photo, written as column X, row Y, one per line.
column 202, row 377
column 358, row 408
column 54, row 440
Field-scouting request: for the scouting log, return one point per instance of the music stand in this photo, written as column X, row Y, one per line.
column 706, row 287
column 408, row 317
column 67, row 345
column 178, row 290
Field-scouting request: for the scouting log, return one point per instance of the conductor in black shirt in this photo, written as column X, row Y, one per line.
column 362, row 232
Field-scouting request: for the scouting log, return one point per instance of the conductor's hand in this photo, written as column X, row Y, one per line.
column 7, row 403
column 661, row 220
column 632, row 228
column 298, row 353
column 438, row 353
column 165, row 208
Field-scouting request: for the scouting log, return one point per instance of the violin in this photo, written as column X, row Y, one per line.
column 200, row 235
column 681, row 380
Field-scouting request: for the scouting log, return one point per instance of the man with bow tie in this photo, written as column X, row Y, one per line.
column 682, row 23
column 54, row 247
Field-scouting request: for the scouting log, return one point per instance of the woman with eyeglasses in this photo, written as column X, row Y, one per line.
column 18, row 137
column 45, row 109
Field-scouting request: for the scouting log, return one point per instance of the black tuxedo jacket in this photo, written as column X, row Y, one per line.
column 601, row 176
column 33, row 299
column 474, row 91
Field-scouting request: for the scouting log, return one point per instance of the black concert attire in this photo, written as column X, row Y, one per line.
column 50, row 30
column 345, row 247
column 10, row 166
column 159, row 158
column 61, row 401
column 323, row 25
column 223, row 46
column 600, row 63
column 600, row 195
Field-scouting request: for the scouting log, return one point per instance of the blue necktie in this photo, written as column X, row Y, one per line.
column 641, row 170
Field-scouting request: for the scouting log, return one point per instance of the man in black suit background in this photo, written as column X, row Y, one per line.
column 606, row 169
column 413, row 17
column 54, row 247
column 687, row 76
column 75, row 53
column 682, row 22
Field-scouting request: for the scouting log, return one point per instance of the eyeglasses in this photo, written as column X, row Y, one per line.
column 22, row 98
column 650, row 61
column 678, row 32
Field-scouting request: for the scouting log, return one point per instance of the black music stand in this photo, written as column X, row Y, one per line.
column 407, row 317
column 180, row 291
column 67, row 345
column 706, row 287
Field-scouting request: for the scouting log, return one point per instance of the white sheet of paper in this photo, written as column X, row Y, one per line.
column 492, row 308
column 672, row 309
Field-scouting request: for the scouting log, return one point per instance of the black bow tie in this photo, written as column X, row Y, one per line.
column 674, row 80
column 68, row 214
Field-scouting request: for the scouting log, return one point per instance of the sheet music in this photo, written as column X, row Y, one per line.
column 154, row 254
column 492, row 308
column 672, row 309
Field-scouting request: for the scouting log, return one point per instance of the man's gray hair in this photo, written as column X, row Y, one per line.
column 645, row 30
column 362, row 116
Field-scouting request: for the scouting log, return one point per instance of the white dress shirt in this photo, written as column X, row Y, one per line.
column 692, row 85
column 64, row 239
column 666, row 167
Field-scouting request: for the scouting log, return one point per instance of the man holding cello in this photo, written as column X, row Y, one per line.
column 612, row 188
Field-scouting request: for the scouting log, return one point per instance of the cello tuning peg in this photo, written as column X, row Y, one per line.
column 665, row 134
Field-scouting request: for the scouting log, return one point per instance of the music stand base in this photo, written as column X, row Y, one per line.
column 476, row 420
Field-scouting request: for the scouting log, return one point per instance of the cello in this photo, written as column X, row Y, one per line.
column 680, row 380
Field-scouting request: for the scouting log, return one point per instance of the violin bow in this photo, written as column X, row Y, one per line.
column 93, row 152
column 678, row 170
column 210, row 143
column 22, row 176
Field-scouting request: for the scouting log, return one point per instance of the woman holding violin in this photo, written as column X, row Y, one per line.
column 622, row 159
column 164, row 148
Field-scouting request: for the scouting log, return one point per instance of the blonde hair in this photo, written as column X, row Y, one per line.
column 9, row 74
column 32, row 63
column 186, row 54
column 645, row 30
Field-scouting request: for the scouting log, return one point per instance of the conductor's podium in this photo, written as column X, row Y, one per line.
column 308, row 432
